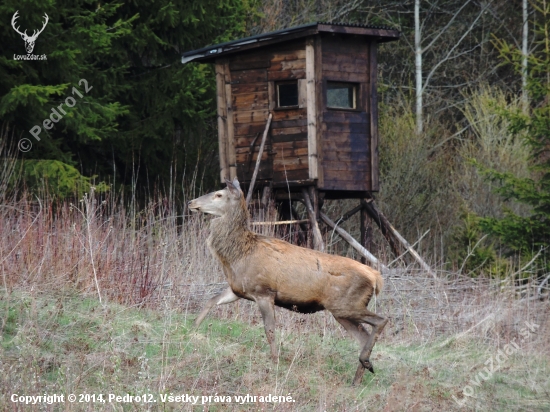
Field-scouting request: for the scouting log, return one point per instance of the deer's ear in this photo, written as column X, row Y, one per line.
column 237, row 184
column 233, row 187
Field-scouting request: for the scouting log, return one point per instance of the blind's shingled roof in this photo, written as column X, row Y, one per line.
column 209, row 53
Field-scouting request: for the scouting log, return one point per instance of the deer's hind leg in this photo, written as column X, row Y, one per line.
column 267, row 309
column 355, row 329
column 378, row 323
column 354, row 326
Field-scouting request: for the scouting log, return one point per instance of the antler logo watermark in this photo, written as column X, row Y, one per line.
column 29, row 40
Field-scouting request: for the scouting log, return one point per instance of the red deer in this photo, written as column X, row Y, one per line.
column 271, row 272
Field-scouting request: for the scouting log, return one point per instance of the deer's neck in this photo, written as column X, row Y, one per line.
column 230, row 237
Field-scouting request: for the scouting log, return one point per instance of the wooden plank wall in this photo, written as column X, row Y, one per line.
column 345, row 134
column 252, row 95
column 250, row 103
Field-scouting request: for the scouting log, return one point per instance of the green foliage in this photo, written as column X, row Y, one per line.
column 474, row 252
column 52, row 340
column 57, row 179
column 528, row 235
column 144, row 116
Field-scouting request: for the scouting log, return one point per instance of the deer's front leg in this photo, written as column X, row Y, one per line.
column 227, row 296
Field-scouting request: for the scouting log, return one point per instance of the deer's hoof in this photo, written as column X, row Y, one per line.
column 367, row 365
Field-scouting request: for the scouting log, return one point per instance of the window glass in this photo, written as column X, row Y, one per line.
column 342, row 95
column 287, row 94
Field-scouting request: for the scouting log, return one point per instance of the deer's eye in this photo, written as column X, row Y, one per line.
column 218, row 195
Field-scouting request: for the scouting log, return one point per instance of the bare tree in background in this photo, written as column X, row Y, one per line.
column 449, row 39
column 280, row 14
column 525, row 54
column 450, row 54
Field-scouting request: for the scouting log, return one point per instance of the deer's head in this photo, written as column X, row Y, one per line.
column 221, row 202
column 29, row 40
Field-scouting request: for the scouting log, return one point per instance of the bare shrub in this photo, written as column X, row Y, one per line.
column 490, row 143
column 415, row 193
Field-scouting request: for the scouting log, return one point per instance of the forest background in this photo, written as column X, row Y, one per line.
column 464, row 113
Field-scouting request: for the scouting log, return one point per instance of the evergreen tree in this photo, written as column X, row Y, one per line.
column 529, row 235
column 138, row 111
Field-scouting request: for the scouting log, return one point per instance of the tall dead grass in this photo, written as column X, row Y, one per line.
column 157, row 259
column 94, row 248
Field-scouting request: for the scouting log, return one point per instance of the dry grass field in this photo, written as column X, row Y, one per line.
column 99, row 299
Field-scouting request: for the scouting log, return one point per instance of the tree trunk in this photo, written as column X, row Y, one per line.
column 524, row 52
column 418, row 66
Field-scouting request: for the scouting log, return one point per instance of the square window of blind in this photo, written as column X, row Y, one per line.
column 341, row 95
column 287, row 94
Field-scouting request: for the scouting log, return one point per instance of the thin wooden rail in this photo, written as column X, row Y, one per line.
column 281, row 222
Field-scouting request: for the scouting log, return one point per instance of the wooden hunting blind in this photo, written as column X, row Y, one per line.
column 319, row 83
column 304, row 101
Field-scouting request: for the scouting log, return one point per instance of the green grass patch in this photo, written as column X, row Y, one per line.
column 67, row 344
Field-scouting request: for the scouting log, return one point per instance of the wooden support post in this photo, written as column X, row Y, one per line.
column 346, row 216
column 317, row 238
column 383, row 222
column 311, row 110
column 258, row 161
column 349, row 214
column 222, row 119
column 231, row 153
column 314, row 197
column 373, row 108
column 287, row 212
column 366, row 231
column 280, row 222
column 266, row 195
column 353, row 243
column 284, row 209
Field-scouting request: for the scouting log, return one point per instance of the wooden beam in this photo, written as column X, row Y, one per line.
column 258, row 161
column 383, row 222
column 266, row 195
column 373, row 69
column 280, row 222
column 222, row 119
column 318, row 243
column 311, row 108
column 271, row 95
column 319, row 107
column 302, row 93
column 353, row 243
column 314, row 197
column 349, row 214
column 231, row 154
column 366, row 231
column 413, row 252
column 345, row 217
column 284, row 195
